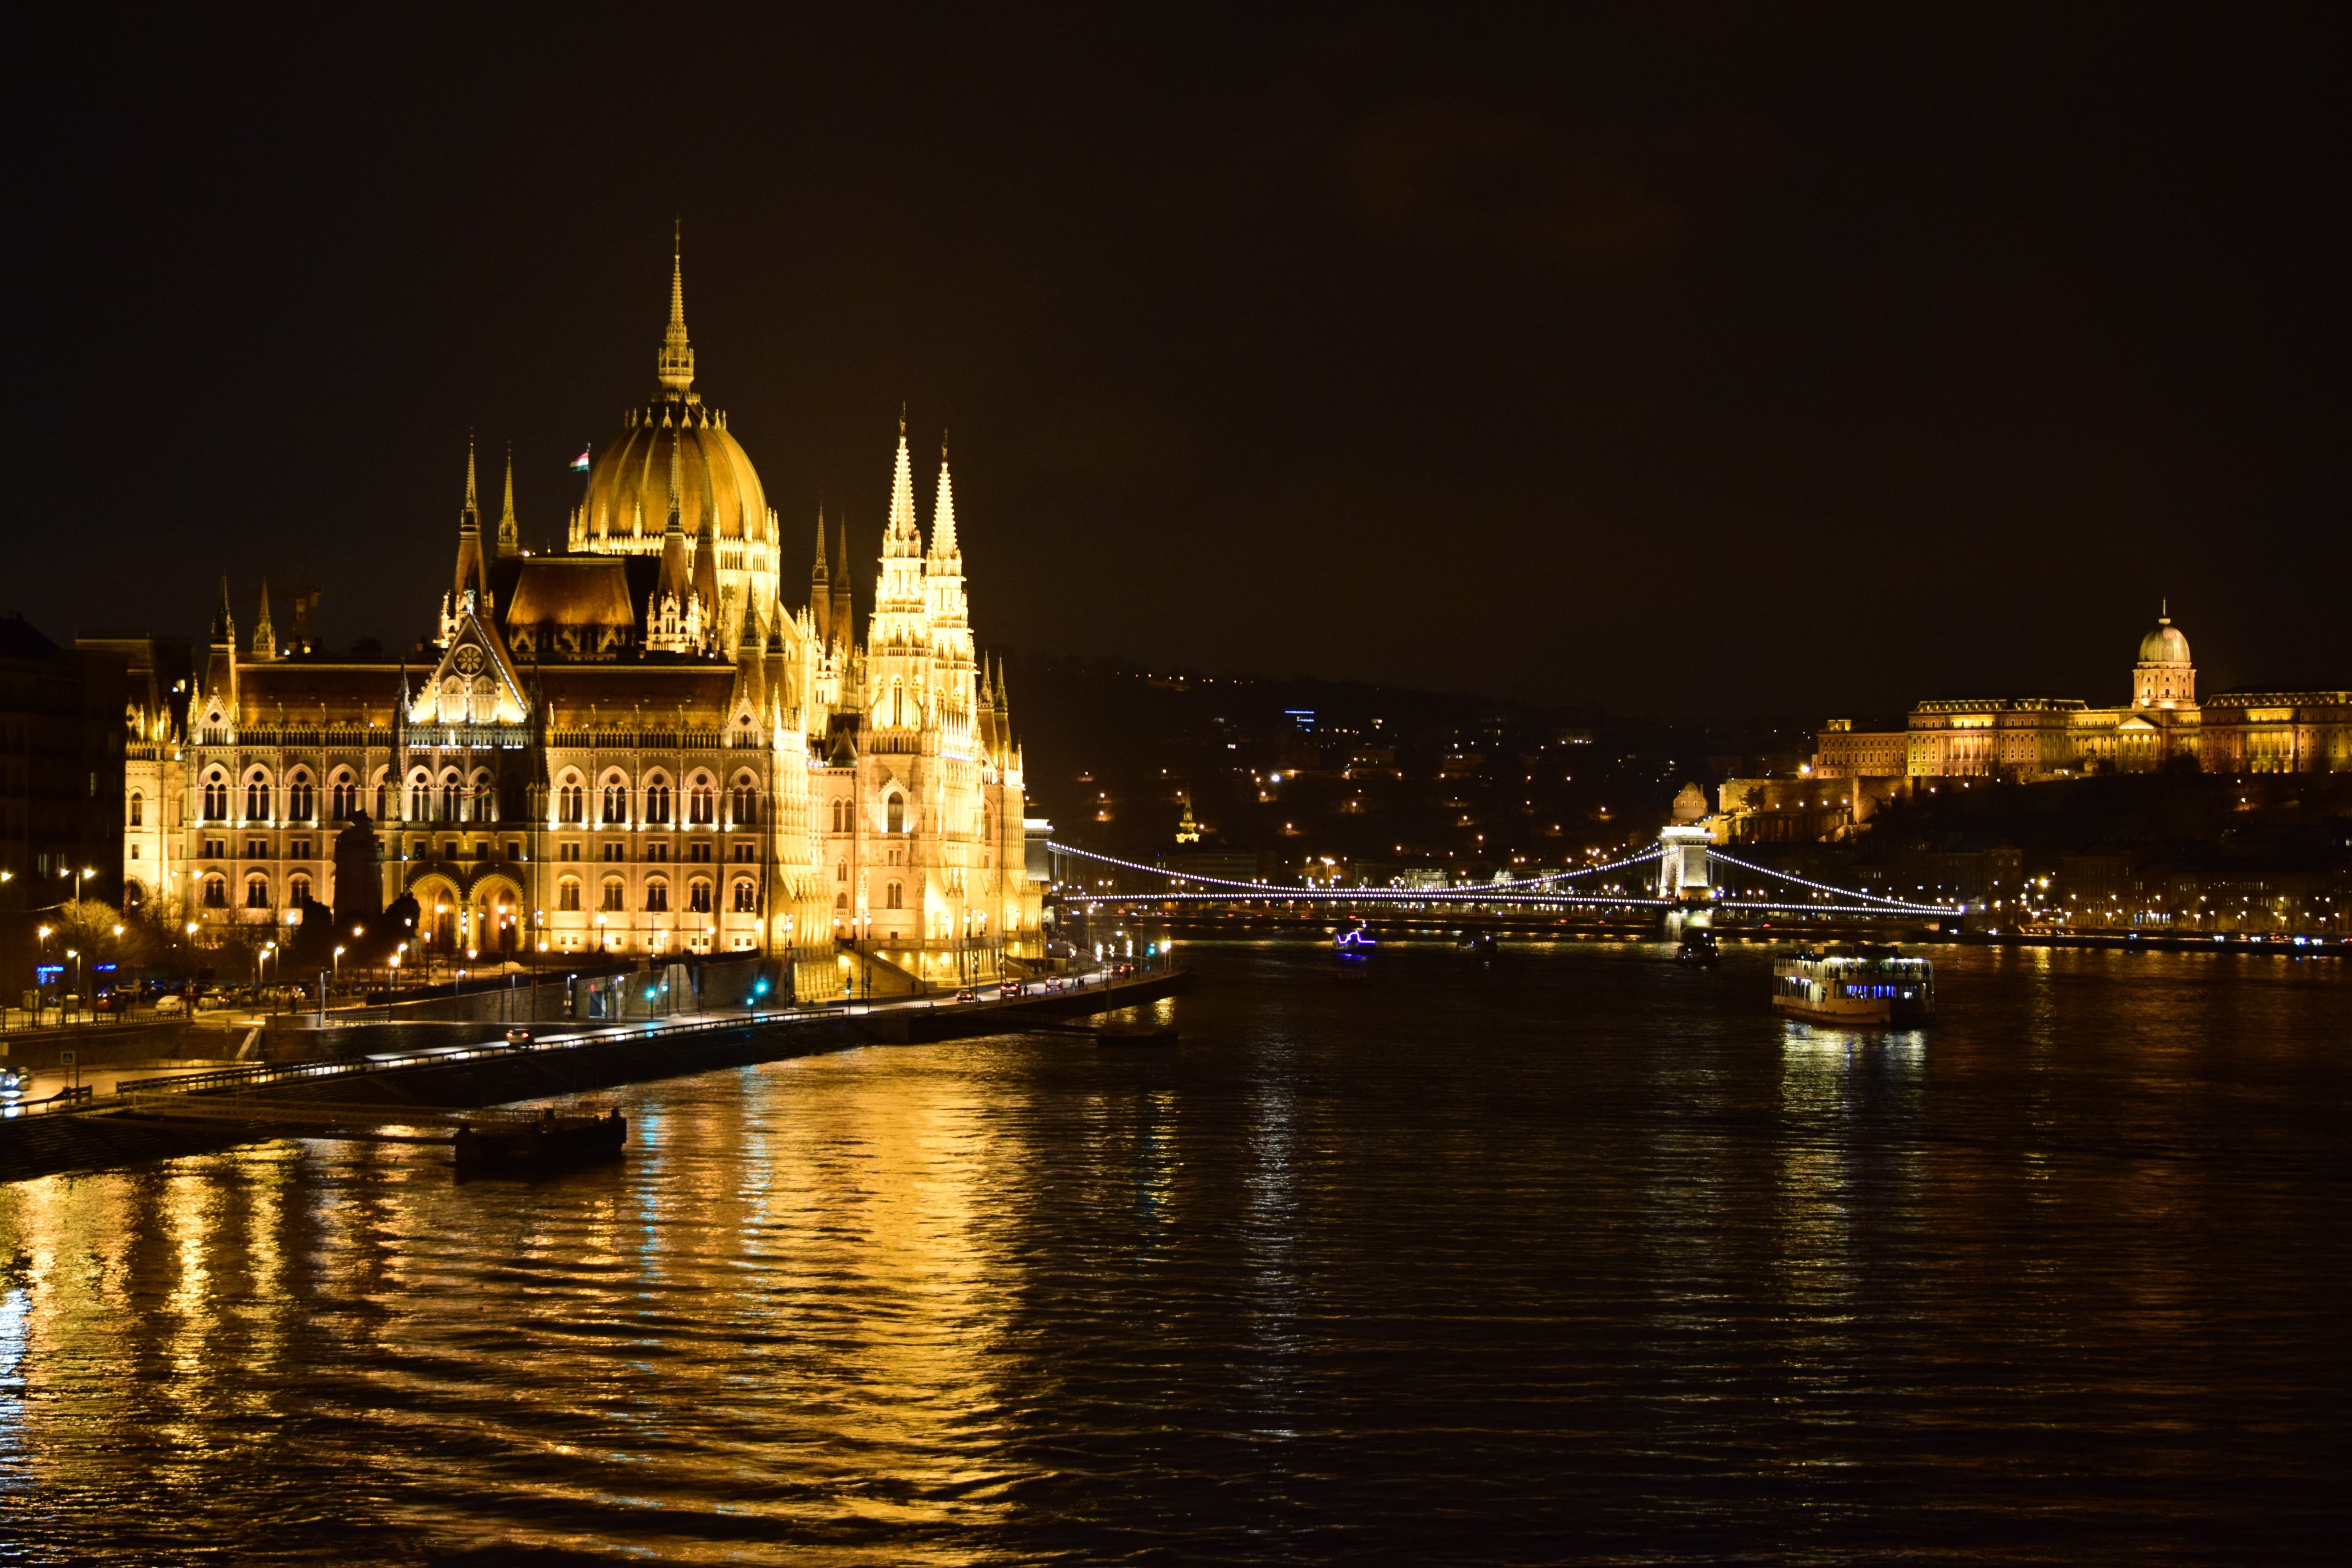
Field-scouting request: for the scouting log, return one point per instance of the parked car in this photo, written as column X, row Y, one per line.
column 517, row 1036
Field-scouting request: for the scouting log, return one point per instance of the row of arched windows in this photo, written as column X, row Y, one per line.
column 216, row 795
column 702, row 798
column 742, row 893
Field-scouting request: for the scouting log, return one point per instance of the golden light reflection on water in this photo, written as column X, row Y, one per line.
column 1349, row 1260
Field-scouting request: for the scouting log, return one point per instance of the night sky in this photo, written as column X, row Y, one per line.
column 1778, row 361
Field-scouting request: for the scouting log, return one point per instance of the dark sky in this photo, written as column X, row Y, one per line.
column 1724, row 360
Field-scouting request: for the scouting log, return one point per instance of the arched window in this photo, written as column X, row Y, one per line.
column 343, row 797
column 747, row 897
column 841, row 870
column 616, row 893
column 257, row 892
column 216, row 891
column 138, row 809
column 657, row 896
column 567, row 895
column 486, row 799
column 892, row 896
column 420, row 799
column 840, row 816
column 216, row 797
column 302, row 798
column 841, row 901
column 616, row 802
column 702, row 804
column 747, row 804
column 452, row 798
column 256, row 799
column 697, row 897
column 297, row 890
column 894, row 812
column 658, row 802
column 568, row 801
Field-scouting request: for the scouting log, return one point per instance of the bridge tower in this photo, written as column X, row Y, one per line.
column 1682, row 872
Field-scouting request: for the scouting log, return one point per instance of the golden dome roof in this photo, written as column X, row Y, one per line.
column 627, row 508
column 2165, row 644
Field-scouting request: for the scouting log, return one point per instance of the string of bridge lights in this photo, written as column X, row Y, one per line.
column 1467, row 889
column 1905, row 904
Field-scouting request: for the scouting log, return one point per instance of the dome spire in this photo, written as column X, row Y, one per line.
column 675, row 366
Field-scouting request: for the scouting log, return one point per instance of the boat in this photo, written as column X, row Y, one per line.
column 535, row 1146
column 1698, row 947
column 1355, row 941
column 1856, row 984
column 1482, row 945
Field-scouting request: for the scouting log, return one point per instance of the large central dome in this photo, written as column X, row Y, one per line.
column 2165, row 644
column 627, row 508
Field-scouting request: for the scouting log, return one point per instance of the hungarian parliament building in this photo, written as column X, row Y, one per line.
column 2163, row 726
column 630, row 748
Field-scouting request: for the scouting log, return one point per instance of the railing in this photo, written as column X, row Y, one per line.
column 73, row 1097
column 129, row 1092
column 641, row 739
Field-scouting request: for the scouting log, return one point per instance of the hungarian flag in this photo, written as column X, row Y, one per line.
column 579, row 463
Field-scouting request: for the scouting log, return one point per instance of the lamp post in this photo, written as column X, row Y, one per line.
column 335, row 975
column 75, row 953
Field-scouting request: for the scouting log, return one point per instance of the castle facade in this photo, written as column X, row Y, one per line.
column 2163, row 725
column 632, row 747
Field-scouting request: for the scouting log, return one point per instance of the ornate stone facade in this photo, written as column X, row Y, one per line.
column 634, row 747
column 2056, row 737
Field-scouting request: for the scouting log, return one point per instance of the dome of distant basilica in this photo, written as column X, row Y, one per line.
column 2165, row 644
column 627, row 507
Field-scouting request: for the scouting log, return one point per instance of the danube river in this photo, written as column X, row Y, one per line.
column 1577, row 1255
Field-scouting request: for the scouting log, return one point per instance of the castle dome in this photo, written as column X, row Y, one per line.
column 627, row 506
column 2165, row 644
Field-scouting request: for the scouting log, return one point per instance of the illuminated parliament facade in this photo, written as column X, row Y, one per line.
column 631, row 747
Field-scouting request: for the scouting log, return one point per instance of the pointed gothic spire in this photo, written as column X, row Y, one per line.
column 510, row 531
column 472, row 572
column 470, row 520
column 943, row 528
column 705, row 568
column 677, row 524
column 265, row 638
column 676, row 581
column 901, row 535
column 225, row 619
column 676, row 364
column 818, row 573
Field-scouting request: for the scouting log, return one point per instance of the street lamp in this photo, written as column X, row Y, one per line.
column 335, row 972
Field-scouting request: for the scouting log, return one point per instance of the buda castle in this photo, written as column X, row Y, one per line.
column 2164, row 725
column 634, row 747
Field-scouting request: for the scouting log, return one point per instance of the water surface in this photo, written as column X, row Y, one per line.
column 1579, row 1255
